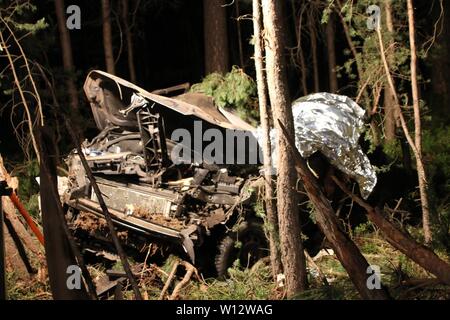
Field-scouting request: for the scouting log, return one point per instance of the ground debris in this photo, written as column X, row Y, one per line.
column 144, row 213
column 87, row 221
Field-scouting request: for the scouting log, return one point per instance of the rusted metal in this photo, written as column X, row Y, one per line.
column 122, row 218
column 21, row 208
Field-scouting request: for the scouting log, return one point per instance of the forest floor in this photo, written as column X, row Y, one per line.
column 403, row 278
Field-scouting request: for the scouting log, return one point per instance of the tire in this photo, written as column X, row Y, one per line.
column 252, row 247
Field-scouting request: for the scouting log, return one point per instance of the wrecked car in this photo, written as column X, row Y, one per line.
column 193, row 203
column 184, row 172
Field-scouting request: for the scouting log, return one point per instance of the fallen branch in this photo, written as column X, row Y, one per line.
column 417, row 252
column 190, row 269
column 169, row 280
column 347, row 252
column 314, row 265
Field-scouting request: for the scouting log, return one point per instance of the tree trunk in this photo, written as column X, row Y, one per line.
column 66, row 48
column 287, row 205
column 239, row 34
column 298, row 35
column 9, row 209
column 216, row 36
column 332, row 76
column 389, row 101
column 440, row 66
column 271, row 212
column 313, row 38
column 347, row 252
column 129, row 39
column 417, row 128
column 107, row 37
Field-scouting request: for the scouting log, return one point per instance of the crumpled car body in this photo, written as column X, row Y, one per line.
column 202, row 207
column 148, row 195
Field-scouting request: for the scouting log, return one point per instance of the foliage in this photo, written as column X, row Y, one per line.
column 364, row 228
column 436, row 150
column 235, row 90
column 254, row 284
column 19, row 31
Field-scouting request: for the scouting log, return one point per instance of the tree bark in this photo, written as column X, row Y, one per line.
column 347, row 252
column 293, row 259
column 239, row 34
column 313, row 39
column 10, row 212
column 107, row 37
column 66, row 49
column 330, row 33
column 298, row 35
column 129, row 39
column 264, row 112
column 215, row 36
column 389, row 101
column 417, row 128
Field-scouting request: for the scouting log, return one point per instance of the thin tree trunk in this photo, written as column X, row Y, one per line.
column 389, row 101
column 333, row 81
column 293, row 259
column 419, row 162
column 298, row 35
column 66, row 49
column 347, row 252
column 107, row 37
column 215, row 36
column 129, row 39
column 21, row 93
column 272, row 218
column 239, row 34
column 313, row 38
column 417, row 127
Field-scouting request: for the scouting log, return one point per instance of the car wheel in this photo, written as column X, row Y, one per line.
column 248, row 244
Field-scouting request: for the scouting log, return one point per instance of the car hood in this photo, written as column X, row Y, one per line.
column 108, row 94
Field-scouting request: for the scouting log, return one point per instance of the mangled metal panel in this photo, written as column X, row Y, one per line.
column 106, row 104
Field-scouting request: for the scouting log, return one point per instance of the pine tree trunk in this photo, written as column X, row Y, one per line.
column 239, row 34
column 330, row 33
column 389, row 101
column 129, row 39
column 417, row 128
column 293, row 259
column 271, row 212
column 107, row 37
column 299, row 52
column 66, row 48
column 313, row 38
column 215, row 36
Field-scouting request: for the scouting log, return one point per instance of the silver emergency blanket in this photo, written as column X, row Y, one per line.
column 331, row 124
